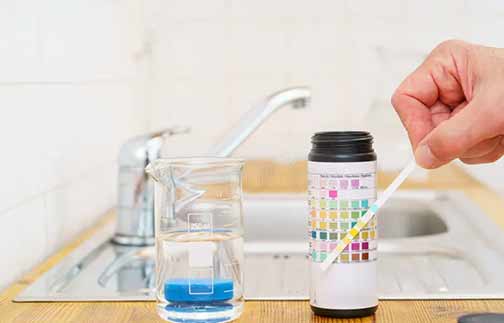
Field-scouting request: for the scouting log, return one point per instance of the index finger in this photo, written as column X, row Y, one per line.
column 412, row 102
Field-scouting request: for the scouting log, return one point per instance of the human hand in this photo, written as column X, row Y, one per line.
column 452, row 105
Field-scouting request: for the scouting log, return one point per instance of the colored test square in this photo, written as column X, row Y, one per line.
column 356, row 246
column 364, row 204
column 333, row 204
column 333, row 194
column 333, row 236
column 344, row 226
column 333, row 215
column 354, row 224
column 372, row 234
column 363, row 213
column 323, row 214
column 314, row 234
column 333, row 183
column 323, row 225
column 332, row 246
column 355, row 184
column 323, row 182
column 313, row 203
column 364, row 235
column 323, row 256
column 323, row 204
column 314, row 224
column 365, row 256
column 355, row 214
column 343, row 184
column 313, row 213
column 365, row 245
column 344, row 215
column 333, row 225
column 346, row 248
column 314, row 256
column 323, row 235
column 355, row 257
column 343, row 204
column 355, row 204
column 344, row 258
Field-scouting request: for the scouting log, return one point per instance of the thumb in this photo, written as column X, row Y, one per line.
column 453, row 137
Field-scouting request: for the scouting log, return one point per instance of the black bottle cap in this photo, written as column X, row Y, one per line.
column 342, row 146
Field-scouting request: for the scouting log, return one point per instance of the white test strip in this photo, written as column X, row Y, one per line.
column 369, row 215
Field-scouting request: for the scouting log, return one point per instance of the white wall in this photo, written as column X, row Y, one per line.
column 77, row 80
column 214, row 59
column 72, row 88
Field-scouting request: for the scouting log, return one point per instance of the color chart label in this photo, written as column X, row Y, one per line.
column 339, row 195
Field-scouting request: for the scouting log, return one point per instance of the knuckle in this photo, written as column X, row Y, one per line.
column 394, row 99
column 450, row 44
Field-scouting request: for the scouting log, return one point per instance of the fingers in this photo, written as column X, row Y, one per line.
column 414, row 115
column 439, row 113
column 437, row 82
column 412, row 102
column 455, row 136
column 450, row 91
column 490, row 157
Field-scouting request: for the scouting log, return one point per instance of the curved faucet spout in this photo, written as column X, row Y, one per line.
column 297, row 97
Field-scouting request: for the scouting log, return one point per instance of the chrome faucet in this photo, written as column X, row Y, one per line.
column 135, row 209
column 297, row 97
column 135, row 223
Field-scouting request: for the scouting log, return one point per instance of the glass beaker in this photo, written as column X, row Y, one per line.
column 199, row 238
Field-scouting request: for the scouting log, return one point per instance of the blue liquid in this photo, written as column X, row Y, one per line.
column 192, row 298
column 198, row 290
column 207, row 296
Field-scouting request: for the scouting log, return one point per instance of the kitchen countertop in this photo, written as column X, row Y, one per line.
column 266, row 176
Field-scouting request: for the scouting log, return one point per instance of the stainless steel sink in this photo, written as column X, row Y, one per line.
column 432, row 245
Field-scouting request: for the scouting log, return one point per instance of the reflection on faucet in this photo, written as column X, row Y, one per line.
column 134, row 269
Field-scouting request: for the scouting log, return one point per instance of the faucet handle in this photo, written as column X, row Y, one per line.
column 175, row 130
column 141, row 150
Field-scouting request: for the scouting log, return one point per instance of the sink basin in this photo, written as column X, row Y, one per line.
column 408, row 218
column 432, row 246
column 283, row 219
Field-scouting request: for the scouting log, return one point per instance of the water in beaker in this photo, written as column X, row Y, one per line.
column 199, row 239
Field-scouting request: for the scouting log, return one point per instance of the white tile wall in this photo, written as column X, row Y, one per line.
column 19, row 23
column 80, row 77
column 24, row 238
column 353, row 53
column 72, row 89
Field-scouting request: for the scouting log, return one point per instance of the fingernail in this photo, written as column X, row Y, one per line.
column 424, row 157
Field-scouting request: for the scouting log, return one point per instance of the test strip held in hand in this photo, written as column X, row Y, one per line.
column 368, row 215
